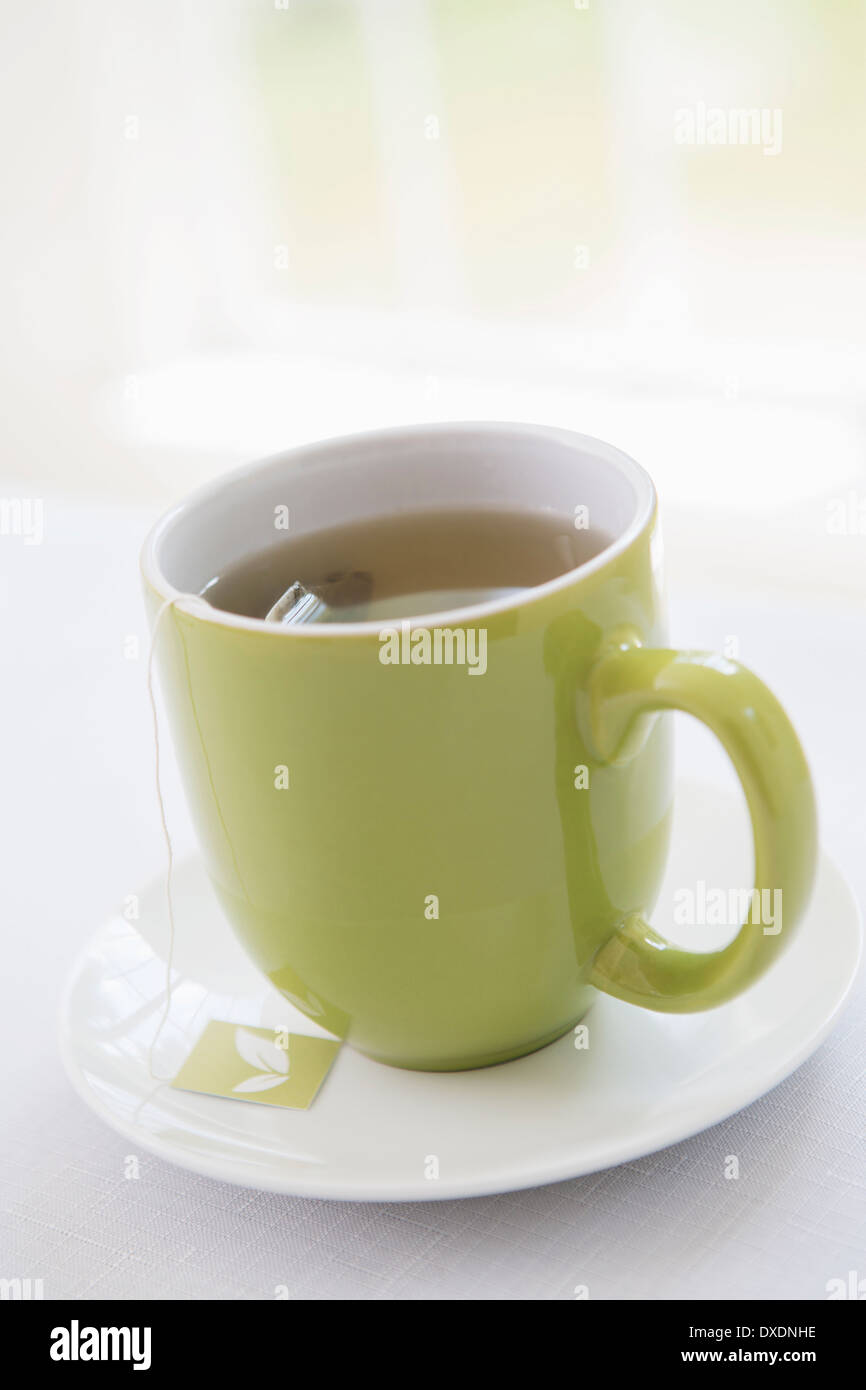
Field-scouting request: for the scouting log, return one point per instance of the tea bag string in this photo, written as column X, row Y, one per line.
column 169, row 961
column 296, row 606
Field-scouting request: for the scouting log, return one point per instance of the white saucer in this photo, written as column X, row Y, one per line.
column 647, row 1080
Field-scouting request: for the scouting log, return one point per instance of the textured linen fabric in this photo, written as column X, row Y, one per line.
column 80, row 824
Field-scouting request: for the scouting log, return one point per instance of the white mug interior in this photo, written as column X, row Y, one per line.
column 522, row 467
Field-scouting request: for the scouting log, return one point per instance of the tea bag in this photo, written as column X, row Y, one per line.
column 297, row 605
column 343, row 589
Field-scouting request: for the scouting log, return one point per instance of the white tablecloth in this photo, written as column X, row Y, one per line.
column 80, row 830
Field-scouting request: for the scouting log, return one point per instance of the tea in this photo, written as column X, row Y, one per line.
column 407, row 564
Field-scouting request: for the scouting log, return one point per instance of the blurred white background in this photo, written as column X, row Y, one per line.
column 232, row 225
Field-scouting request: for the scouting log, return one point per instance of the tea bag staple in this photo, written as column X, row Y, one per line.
column 301, row 605
column 297, row 605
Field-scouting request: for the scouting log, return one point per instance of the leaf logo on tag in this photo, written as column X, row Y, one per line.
column 247, row 1064
column 309, row 1005
column 271, row 1062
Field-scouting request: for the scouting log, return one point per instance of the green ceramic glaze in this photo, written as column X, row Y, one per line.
column 408, row 782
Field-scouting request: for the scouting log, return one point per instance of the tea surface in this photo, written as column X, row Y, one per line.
column 408, row 564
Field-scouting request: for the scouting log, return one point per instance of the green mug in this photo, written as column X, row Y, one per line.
column 440, row 860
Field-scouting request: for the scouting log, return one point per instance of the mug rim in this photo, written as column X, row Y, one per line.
column 196, row 605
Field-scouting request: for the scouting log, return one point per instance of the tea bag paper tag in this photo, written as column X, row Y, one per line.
column 266, row 1065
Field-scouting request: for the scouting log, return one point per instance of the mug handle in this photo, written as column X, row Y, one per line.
column 632, row 682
